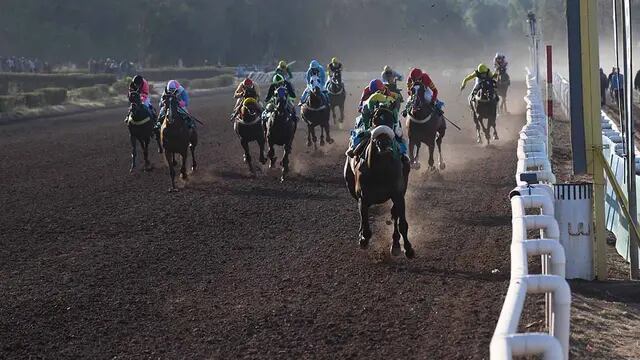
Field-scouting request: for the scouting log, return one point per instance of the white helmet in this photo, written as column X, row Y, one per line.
column 499, row 55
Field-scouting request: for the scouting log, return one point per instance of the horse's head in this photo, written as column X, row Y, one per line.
column 486, row 91
column 281, row 102
column 134, row 98
column 250, row 109
column 170, row 103
column 417, row 96
column 382, row 139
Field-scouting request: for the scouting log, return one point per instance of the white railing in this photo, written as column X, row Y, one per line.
column 532, row 159
column 613, row 151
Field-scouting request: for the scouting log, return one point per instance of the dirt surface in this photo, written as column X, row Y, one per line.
column 98, row 263
column 605, row 315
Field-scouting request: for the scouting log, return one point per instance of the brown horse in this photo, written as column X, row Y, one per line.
column 503, row 82
column 378, row 177
column 484, row 105
column 337, row 98
column 280, row 130
column 248, row 126
column 140, row 123
column 177, row 138
column 424, row 125
column 316, row 113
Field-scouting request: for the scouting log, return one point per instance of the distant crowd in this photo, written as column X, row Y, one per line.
column 23, row 65
column 112, row 66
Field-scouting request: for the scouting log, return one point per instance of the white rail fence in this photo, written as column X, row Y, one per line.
column 532, row 159
column 613, row 151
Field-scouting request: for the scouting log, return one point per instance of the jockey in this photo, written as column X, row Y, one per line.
column 183, row 101
column 335, row 67
column 141, row 85
column 500, row 62
column 483, row 73
column 363, row 124
column 283, row 69
column 246, row 89
column 315, row 69
column 375, row 86
column 277, row 83
column 416, row 76
column 389, row 76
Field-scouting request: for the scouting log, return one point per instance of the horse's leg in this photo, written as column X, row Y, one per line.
column 341, row 115
column 322, row 131
column 493, row 125
column 404, row 226
column 441, row 163
column 476, row 120
column 183, row 168
column 314, row 137
column 247, row 154
column 412, row 157
column 431, row 145
column 487, row 129
column 192, row 146
column 272, row 155
column 157, row 135
column 263, row 160
column 395, row 245
column 309, row 129
column 172, row 171
column 173, row 157
column 327, row 128
column 365, row 230
column 133, row 152
column 285, row 160
column 145, row 152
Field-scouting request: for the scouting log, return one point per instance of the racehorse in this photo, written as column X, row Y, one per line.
column 316, row 113
column 177, row 138
column 503, row 82
column 424, row 125
column 248, row 126
column 140, row 124
column 378, row 177
column 280, row 129
column 337, row 97
column 484, row 104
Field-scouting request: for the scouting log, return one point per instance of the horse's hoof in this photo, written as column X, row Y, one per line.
column 172, row 190
column 175, row 163
column 184, row 176
column 194, row 168
column 282, row 178
column 495, row 137
column 409, row 253
column 415, row 165
column 432, row 168
column 442, row 166
column 131, row 169
column 340, row 126
column 321, row 142
column 364, row 242
column 478, row 140
column 395, row 250
column 245, row 158
column 160, row 151
column 309, row 143
column 330, row 141
column 263, row 160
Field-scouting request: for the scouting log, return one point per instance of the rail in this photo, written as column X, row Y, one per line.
column 533, row 160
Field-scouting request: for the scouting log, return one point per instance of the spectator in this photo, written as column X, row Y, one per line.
column 604, row 83
column 616, row 84
column 636, row 81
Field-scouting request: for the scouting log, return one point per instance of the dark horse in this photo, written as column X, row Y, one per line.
column 425, row 125
column 484, row 104
column 316, row 113
column 177, row 138
column 378, row 177
column 140, row 123
column 280, row 129
column 248, row 126
column 503, row 82
column 337, row 97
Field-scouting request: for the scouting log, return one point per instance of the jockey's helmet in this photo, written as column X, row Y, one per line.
column 387, row 68
column 416, row 74
column 173, row 85
column 282, row 64
column 278, row 79
column 376, row 85
column 482, row 68
column 247, row 82
column 334, row 60
column 137, row 80
column 248, row 102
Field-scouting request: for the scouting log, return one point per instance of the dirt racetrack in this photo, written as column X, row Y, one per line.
column 98, row 263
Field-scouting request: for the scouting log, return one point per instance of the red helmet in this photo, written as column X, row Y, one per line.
column 247, row 82
column 416, row 74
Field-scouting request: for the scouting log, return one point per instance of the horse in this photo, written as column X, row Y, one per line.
column 176, row 138
column 248, row 126
column 140, row 123
column 503, row 82
column 316, row 113
column 424, row 125
column 280, row 130
column 337, row 98
column 378, row 177
column 484, row 104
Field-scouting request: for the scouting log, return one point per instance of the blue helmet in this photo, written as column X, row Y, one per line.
column 376, row 85
column 314, row 64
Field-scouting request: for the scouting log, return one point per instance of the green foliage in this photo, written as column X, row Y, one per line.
column 93, row 93
column 211, row 83
column 9, row 103
column 54, row 96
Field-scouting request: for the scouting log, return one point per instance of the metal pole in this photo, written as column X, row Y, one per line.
column 616, row 47
column 631, row 158
column 531, row 19
column 575, row 88
column 549, row 98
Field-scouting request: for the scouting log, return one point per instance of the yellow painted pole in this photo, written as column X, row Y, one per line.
column 593, row 130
